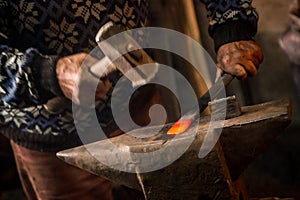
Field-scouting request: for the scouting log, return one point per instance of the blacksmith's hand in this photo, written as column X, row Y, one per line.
column 241, row 59
column 68, row 71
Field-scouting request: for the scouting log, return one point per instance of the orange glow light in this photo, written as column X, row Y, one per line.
column 179, row 127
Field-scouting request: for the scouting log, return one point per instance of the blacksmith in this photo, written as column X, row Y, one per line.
column 44, row 42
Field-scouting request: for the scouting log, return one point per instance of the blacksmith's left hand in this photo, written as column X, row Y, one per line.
column 241, row 59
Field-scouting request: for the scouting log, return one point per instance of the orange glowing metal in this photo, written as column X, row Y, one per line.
column 180, row 127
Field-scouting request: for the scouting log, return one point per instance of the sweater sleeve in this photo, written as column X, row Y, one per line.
column 26, row 78
column 231, row 20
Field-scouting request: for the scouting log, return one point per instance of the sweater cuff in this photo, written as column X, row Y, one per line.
column 233, row 31
column 44, row 72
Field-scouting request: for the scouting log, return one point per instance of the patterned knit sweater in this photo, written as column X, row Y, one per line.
column 35, row 33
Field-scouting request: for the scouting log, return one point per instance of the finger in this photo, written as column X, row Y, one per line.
column 64, row 65
column 68, row 64
column 71, row 67
column 59, row 67
column 75, row 95
column 239, row 71
column 258, row 53
column 250, row 68
column 76, row 100
column 66, row 83
column 81, row 56
column 67, row 94
column 255, row 61
column 71, row 94
column 255, row 51
column 235, row 69
column 66, row 77
column 67, row 89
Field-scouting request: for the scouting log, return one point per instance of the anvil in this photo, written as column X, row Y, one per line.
column 216, row 176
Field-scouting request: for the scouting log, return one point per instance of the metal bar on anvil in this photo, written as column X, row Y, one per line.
column 242, row 140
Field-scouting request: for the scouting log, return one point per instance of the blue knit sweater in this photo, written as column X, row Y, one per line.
column 31, row 30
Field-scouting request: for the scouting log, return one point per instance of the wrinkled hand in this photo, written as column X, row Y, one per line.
column 74, row 87
column 240, row 59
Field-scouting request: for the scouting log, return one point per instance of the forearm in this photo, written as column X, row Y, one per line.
column 231, row 21
column 27, row 78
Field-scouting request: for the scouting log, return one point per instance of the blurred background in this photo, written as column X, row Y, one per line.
column 277, row 171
